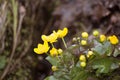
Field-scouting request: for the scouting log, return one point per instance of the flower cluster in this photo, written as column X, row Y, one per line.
column 83, row 58
column 113, row 39
column 53, row 37
column 100, row 37
column 90, row 55
column 44, row 48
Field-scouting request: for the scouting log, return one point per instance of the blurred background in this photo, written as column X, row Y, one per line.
column 22, row 22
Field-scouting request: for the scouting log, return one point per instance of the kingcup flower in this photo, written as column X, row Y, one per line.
column 95, row 33
column 82, row 58
column 84, row 35
column 62, row 33
column 51, row 38
column 54, row 52
column 83, row 64
column 113, row 39
column 42, row 48
column 83, row 42
column 54, row 68
column 102, row 38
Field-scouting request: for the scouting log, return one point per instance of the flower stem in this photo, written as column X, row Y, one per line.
column 64, row 43
column 47, row 54
column 52, row 45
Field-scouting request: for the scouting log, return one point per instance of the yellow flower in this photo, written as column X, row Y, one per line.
column 54, row 52
column 113, row 40
column 83, row 64
column 102, row 38
column 108, row 38
column 45, row 47
column 62, row 33
column 84, row 34
column 83, row 42
column 89, row 53
column 60, row 51
column 51, row 38
column 95, row 33
column 82, row 58
column 42, row 48
column 54, row 68
column 44, row 38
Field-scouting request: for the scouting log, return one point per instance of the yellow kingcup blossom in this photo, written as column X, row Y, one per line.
column 113, row 40
column 44, row 38
column 102, row 38
column 83, row 64
column 82, row 58
column 54, row 52
column 54, row 68
column 84, row 35
column 51, row 38
column 83, row 42
column 45, row 47
column 95, row 33
column 89, row 53
column 62, row 33
column 42, row 48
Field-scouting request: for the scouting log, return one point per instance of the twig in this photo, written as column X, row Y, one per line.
column 20, row 57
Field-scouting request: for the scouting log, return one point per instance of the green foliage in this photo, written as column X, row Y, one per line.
column 102, row 48
column 53, row 61
column 79, row 74
column 51, row 78
column 104, row 65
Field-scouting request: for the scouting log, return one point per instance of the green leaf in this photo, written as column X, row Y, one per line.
column 62, row 74
column 52, row 60
column 116, row 53
column 78, row 73
column 114, row 66
column 99, row 49
column 51, row 78
column 108, row 47
column 104, row 65
column 74, row 71
column 102, row 48
column 81, row 75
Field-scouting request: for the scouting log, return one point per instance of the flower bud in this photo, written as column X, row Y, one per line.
column 84, row 34
column 102, row 38
column 95, row 33
column 82, row 58
column 60, row 51
column 89, row 53
column 74, row 39
column 54, row 68
column 83, row 64
column 83, row 42
column 54, row 52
